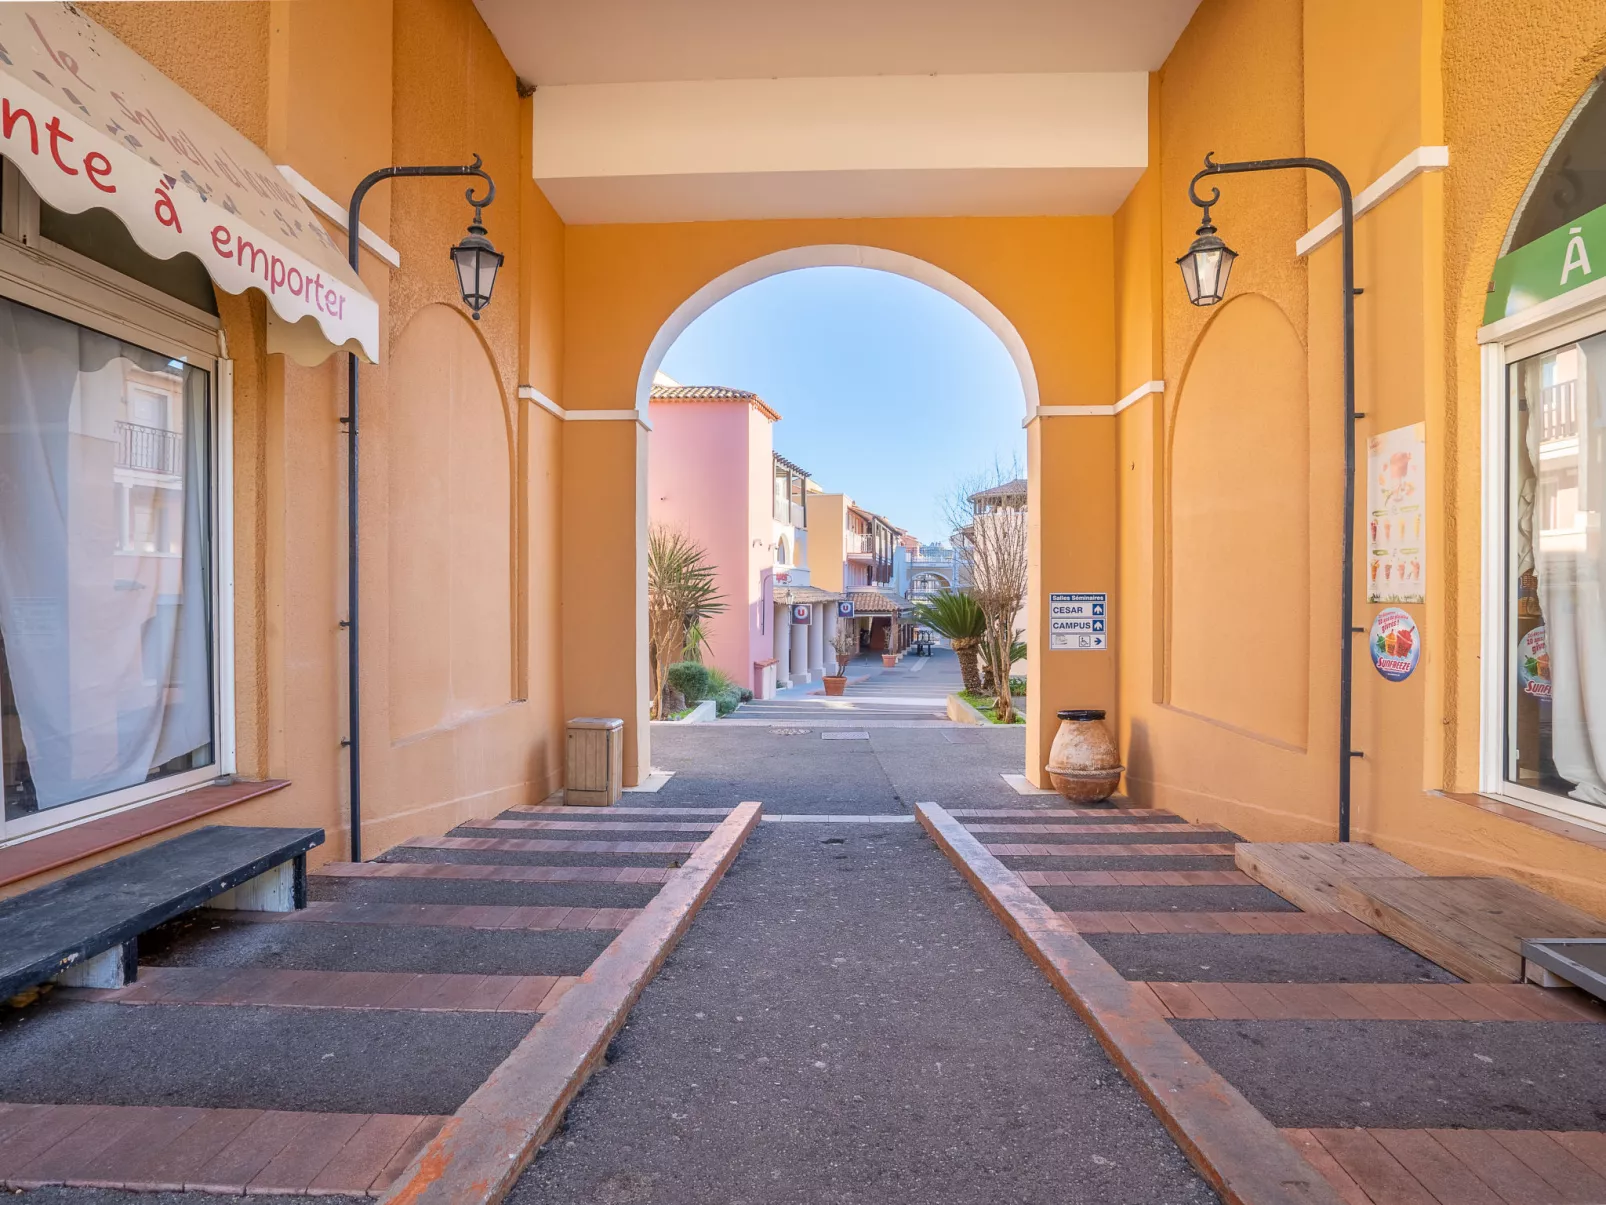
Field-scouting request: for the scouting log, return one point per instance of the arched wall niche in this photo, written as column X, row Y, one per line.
column 452, row 585
column 1238, row 560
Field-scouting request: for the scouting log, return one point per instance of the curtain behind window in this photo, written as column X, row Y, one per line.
column 105, row 558
column 1572, row 591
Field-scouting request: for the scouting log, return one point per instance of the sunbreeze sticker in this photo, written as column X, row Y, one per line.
column 1533, row 664
column 1395, row 644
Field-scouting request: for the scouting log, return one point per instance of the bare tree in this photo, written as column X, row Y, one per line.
column 988, row 514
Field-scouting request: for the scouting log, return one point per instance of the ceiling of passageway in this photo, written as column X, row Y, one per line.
column 698, row 110
column 626, row 41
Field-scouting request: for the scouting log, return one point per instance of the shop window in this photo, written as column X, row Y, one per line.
column 106, row 592
column 1556, row 577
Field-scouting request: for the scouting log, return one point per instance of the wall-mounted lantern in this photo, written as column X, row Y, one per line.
column 1205, row 269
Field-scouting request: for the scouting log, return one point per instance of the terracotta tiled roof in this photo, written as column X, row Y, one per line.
column 874, row 602
column 713, row 393
column 674, row 392
column 787, row 595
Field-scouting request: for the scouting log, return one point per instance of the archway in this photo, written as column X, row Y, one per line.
column 894, row 391
column 1041, row 285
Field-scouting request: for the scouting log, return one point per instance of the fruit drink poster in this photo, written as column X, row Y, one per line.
column 1395, row 644
column 1396, row 528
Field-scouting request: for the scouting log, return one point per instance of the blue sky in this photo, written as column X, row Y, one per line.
column 888, row 390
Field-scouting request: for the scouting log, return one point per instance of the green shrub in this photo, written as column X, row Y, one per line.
column 691, row 679
column 1017, row 685
column 727, row 701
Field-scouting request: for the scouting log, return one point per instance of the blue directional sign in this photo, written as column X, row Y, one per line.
column 1077, row 621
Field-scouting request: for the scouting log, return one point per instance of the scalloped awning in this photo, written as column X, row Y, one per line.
column 93, row 125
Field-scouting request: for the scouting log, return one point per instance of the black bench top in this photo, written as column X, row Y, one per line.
column 47, row 930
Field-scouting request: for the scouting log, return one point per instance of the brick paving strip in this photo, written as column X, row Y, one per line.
column 456, row 916
column 510, row 874
column 1243, row 1156
column 1094, row 828
column 165, row 1149
column 334, row 989
column 558, row 809
column 1373, row 1002
column 1118, row 878
column 1054, row 813
column 1459, row 1167
column 481, row 1150
column 595, row 826
column 1033, row 850
column 537, row 845
column 1242, row 923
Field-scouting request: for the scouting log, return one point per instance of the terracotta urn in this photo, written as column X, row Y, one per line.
column 889, row 659
column 835, row 684
column 1083, row 763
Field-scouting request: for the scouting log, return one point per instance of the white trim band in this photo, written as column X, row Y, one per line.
column 1423, row 159
column 336, row 213
column 1131, row 399
column 531, row 394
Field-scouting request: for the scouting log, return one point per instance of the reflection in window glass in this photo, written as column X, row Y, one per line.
column 1556, row 672
column 105, row 564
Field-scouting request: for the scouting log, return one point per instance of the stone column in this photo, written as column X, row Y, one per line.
column 817, row 644
column 783, row 646
column 800, row 652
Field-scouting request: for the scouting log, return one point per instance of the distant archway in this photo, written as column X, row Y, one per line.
column 837, row 255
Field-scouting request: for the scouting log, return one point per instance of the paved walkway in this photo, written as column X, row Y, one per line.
column 874, row 1006
column 916, row 689
column 846, row 1022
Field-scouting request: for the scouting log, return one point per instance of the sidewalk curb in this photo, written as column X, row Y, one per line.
column 1245, row 1158
column 481, row 1151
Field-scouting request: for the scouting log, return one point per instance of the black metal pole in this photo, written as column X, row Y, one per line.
column 1346, row 208
column 353, row 648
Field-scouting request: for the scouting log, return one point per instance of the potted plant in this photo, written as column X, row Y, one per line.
column 844, row 644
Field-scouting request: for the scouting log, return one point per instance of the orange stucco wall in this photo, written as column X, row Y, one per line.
column 1213, row 666
column 1211, row 510
column 460, row 691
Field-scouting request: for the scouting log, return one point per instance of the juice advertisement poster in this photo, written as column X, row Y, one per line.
column 1395, row 644
column 1395, row 533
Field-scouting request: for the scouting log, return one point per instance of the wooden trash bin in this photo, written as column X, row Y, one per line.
column 595, row 769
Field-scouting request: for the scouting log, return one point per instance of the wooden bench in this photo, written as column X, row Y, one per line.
column 84, row 930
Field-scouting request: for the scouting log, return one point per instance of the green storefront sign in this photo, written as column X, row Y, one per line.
column 1567, row 258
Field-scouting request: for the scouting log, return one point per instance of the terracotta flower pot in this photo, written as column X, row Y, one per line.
column 889, row 659
column 835, row 684
column 1083, row 763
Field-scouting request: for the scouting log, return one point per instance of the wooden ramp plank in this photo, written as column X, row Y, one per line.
column 1308, row 873
column 1473, row 927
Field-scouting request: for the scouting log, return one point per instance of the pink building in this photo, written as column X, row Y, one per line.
column 713, row 472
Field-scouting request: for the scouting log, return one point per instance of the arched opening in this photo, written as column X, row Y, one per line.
column 837, row 255
column 806, row 558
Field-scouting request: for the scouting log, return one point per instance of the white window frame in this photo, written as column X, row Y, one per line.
column 48, row 277
column 1546, row 327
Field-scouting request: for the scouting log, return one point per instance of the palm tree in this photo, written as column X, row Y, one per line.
column 681, row 592
column 960, row 619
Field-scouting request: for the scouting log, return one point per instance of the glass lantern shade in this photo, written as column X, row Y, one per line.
column 476, row 262
column 1206, row 267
